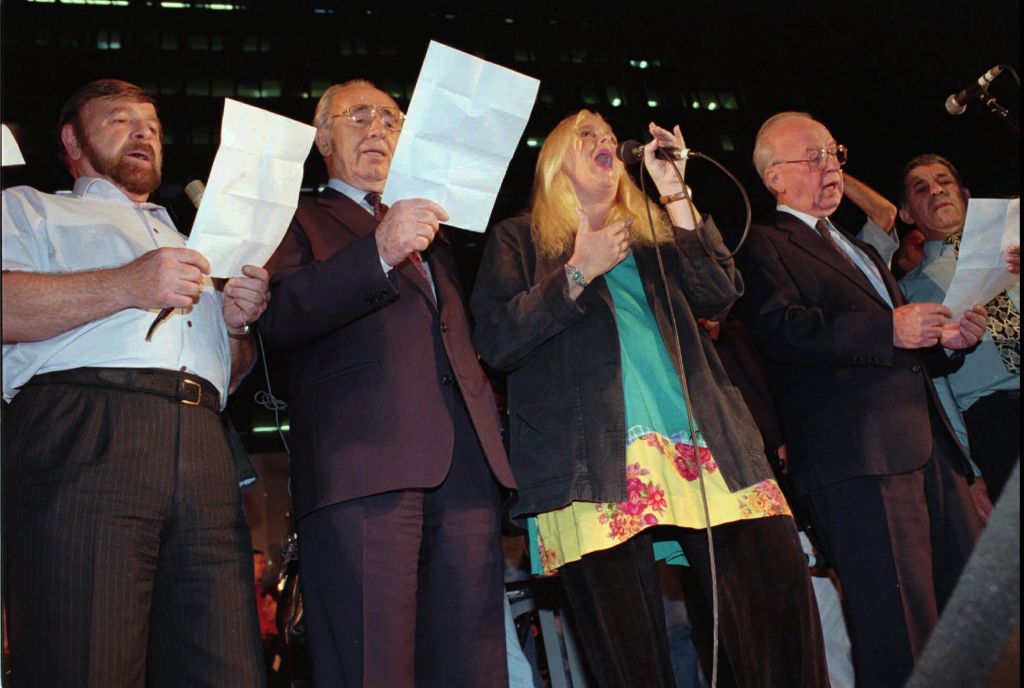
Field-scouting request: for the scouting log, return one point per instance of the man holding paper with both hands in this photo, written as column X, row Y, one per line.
column 398, row 468
column 126, row 548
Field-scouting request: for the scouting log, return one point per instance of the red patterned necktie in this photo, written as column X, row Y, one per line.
column 379, row 211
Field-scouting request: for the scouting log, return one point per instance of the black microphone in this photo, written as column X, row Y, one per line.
column 194, row 190
column 957, row 103
column 631, row 152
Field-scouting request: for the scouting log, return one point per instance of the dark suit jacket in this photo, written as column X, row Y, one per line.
column 851, row 403
column 371, row 360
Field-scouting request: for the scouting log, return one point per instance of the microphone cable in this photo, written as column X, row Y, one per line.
column 266, row 398
column 629, row 152
column 678, row 353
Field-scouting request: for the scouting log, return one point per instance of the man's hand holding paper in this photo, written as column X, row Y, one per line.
column 252, row 190
column 989, row 257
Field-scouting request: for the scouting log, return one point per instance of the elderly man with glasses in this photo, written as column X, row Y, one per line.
column 873, row 457
column 397, row 464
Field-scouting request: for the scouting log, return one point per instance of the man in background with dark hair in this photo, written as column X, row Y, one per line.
column 126, row 551
column 986, row 390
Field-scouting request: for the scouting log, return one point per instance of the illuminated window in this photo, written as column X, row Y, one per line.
column 108, row 40
column 728, row 101
column 197, row 87
column 200, row 134
column 198, row 41
column 317, row 86
column 248, row 89
column 615, row 97
column 726, row 142
column 170, row 87
column 271, row 88
column 223, row 88
column 168, row 41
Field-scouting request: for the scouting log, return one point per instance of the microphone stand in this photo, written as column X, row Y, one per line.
column 995, row 108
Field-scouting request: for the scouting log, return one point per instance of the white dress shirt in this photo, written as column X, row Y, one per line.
column 99, row 227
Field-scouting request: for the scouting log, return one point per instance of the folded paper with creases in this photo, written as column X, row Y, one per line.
column 992, row 225
column 465, row 119
column 253, row 188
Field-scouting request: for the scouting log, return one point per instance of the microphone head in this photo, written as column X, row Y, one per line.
column 629, row 152
column 954, row 106
column 195, row 190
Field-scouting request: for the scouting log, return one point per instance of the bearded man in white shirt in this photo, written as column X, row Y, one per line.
column 126, row 551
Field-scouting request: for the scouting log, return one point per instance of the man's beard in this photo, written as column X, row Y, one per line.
column 134, row 177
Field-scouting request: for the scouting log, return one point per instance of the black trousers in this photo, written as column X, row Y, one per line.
column 127, row 556
column 769, row 625
column 897, row 543
column 993, row 430
column 405, row 588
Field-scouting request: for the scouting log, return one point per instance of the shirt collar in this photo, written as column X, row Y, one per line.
column 357, row 195
column 935, row 248
column 103, row 188
column 809, row 220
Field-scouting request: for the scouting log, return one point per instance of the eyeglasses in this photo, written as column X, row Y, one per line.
column 361, row 116
column 819, row 157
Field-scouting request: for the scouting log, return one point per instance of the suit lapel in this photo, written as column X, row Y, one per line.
column 352, row 217
column 807, row 240
column 413, row 274
column 355, row 219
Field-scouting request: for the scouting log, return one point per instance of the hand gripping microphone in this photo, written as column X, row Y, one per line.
column 194, row 190
column 631, row 152
column 957, row 102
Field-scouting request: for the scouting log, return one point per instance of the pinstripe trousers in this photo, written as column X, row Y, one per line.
column 127, row 557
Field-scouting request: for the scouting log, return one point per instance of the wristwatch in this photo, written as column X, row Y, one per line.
column 575, row 275
column 244, row 334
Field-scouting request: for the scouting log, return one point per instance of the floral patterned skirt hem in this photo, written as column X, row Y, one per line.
column 662, row 488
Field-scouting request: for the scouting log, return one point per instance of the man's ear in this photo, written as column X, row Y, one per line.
column 69, row 138
column 323, row 142
column 773, row 180
column 906, row 216
column 967, row 193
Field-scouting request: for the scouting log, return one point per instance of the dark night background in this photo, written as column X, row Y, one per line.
column 876, row 73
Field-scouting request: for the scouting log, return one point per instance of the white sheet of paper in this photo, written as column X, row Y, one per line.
column 992, row 225
column 465, row 119
column 252, row 190
column 10, row 152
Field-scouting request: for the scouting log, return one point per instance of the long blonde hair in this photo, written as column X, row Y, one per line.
column 553, row 204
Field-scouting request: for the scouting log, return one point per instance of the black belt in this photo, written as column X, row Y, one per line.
column 190, row 390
